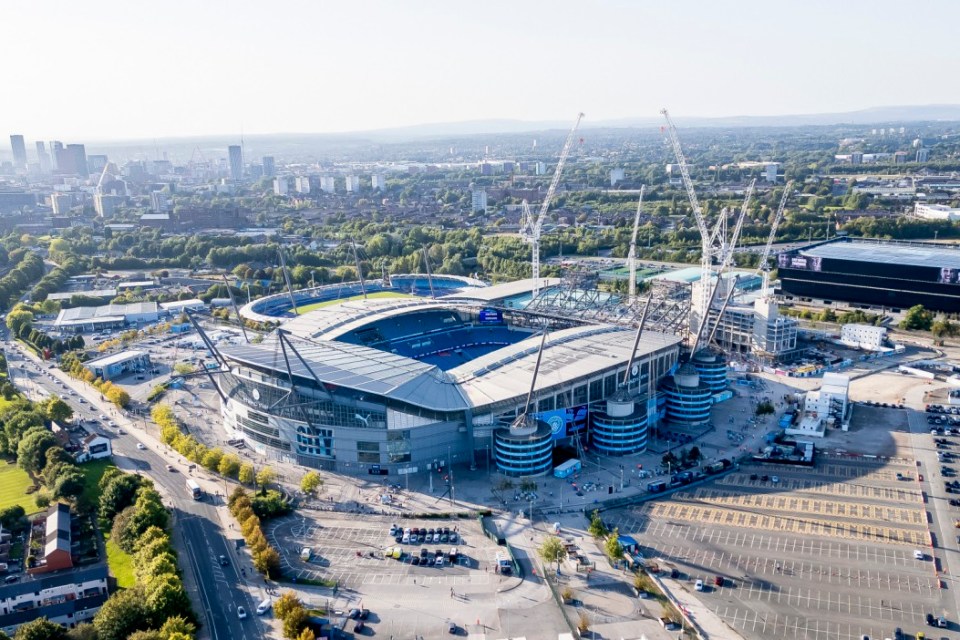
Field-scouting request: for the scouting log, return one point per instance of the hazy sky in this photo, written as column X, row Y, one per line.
column 119, row 69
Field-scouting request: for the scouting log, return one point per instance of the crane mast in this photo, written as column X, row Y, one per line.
column 632, row 256
column 532, row 227
column 701, row 305
column 762, row 264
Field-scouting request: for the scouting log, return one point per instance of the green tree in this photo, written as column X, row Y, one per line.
column 229, row 465
column 552, row 550
column 307, row 634
column 69, row 484
column 118, row 494
column 17, row 319
column 310, row 482
column 246, row 475
column 57, row 410
column 943, row 328
column 145, row 634
column 917, row 318
column 123, row 613
column 597, row 528
column 40, row 629
column 165, row 597
column 612, row 546
column 32, row 449
column 267, row 562
column 83, row 631
column 177, row 625
column 765, row 407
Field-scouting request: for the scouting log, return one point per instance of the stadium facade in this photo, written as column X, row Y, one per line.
column 883, row 274
column 388, row 386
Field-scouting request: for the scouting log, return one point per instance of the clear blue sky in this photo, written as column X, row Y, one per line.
column 121, row 69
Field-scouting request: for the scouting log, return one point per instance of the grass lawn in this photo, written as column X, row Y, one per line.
column 121, row 564
column 13, row 487
column 330, row 303
column 92, row 471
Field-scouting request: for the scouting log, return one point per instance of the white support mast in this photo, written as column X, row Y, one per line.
column 632, row 256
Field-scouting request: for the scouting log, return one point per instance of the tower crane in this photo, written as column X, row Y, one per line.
column 706, row 237
column 762, row 265
column 530, row 227
column 632, row 256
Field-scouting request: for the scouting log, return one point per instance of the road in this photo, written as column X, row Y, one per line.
column 945, row 553
column 219, row 590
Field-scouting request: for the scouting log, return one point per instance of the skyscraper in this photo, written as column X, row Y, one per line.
column 43, row 157
column 72, row 160
column 19, row 152
column 236, row 161
column 269, row 167
column 55, row 148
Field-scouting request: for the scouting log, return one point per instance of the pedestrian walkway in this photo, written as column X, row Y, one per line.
column 707, row 623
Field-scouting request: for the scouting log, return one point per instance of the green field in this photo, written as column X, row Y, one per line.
column 91, row 472
column 121, row 565
column 13, row 488
column 330, row 303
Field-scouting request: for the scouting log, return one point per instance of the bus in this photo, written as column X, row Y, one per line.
column 567, row 469
column 194, row 489
column 504, row 564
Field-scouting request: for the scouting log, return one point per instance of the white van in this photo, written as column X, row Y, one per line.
column 263, row 607
column 918, row 555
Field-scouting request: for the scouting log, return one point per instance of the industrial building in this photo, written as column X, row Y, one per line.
column 884, row 274
column 110, row 316
column 118, row 364
column 404, row 385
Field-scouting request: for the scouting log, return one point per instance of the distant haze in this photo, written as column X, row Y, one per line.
column 118, row 70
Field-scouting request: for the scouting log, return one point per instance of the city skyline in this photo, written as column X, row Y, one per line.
column 196, row 70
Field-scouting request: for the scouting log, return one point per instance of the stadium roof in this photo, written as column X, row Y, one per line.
column 115, row 358
column 337, row 320
column 568, row 354
column 920, row 255
column 501, row 376
column 502, row 291
column 360, row 368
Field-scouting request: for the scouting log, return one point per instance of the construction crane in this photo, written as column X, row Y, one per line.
column 632, row 255
column 728, row 245
column 762, row 264
column 706, row 237
column 530, row 227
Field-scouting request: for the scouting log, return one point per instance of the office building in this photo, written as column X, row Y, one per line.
column 479, row 201
column 280, row 186
column 159, row 201
column 61, row 203
column 616, row 175
column 770, row 172
column 19, row 151
column 71, row 160
column 269, row 167
column 353, row 184
column 55, row 149
column 863, row 336
column 106, row 204
column 236, row 162
column 96, row 163
column 936, row 212
column 43, row 158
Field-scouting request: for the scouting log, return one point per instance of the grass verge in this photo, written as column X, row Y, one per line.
column 14, row 482
column 121, row 564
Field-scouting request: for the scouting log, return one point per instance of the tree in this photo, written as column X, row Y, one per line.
column 917, row 318
column 40, row 629
column 295, row 622
column 69, row 484
column 146, row 634
column 694, row 454
column 229, row 465
column 267, row 562
column 17, row 318
column 944, row 328
column 123, row 613
column 32, row 449
column 12, row 518
column 118, row 494
column 528, row 484
column 307, row 634
column 83, row 631
column 612, row 546
column 597, row 528
column 246, row 474
column 265, row 476
column 765, row 407
column 57, row 410
column 179, row 625
column 310, row 482
column 283, row 605
column 552, row 550
column 165, row 597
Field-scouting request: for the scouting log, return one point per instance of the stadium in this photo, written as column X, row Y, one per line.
column 883, row 274
column 406, row 384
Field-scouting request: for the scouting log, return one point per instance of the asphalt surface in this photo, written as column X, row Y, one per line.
column 217, row 592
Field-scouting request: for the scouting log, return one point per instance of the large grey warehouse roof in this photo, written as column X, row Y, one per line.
column 359, row 368
column 888, row 253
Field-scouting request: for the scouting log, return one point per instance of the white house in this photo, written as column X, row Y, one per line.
column 864, row 336
column 95, row 446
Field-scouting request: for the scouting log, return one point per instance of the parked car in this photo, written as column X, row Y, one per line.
column 699, row 585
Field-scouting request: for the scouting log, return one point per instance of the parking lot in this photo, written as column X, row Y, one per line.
column 822, row 553
column 351, row 552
